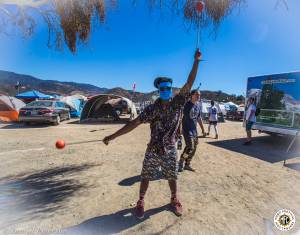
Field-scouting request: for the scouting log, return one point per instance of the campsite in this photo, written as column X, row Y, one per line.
column 41, row 185
column 86, row 188
column 165, row 117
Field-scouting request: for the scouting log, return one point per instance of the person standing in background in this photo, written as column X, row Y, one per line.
column 213, row 118
column 191, row 116
column 250, row 119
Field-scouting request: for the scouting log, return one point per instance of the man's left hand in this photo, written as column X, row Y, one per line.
column 198, row 55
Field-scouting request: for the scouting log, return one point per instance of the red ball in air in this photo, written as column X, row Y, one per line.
column 60, row 144
column 199, row 6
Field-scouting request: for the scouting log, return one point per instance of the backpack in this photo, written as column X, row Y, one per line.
column 257, row 112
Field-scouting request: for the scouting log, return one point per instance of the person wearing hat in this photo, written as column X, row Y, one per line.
column 164, row 117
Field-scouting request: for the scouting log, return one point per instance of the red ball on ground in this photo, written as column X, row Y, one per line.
column 60, row 144
column 199, row 6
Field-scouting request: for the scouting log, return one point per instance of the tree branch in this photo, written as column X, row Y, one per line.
column 30, row 3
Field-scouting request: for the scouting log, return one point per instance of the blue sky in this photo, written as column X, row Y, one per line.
column 136, row 45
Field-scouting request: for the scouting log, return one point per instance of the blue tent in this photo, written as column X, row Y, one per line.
column 79, row 106
column 33, row 95
column 55, row 96
column 76, row 105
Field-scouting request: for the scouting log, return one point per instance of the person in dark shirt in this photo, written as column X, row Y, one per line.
column 191, row 116
column 164, row 117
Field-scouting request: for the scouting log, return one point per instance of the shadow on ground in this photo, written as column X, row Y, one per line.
column 112, row 223
column 130, row 181
column 266, row 148
column 25, row 197
column 98, row 122
column 23, row 126
column 136, row 179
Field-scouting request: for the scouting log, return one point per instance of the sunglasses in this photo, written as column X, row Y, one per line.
column 165, row 88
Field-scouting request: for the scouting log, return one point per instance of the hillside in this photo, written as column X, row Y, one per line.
column 8, row 80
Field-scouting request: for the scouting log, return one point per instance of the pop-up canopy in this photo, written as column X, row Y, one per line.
column 29, row 96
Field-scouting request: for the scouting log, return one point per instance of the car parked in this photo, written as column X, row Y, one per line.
column 235, row 113
column 44, row 111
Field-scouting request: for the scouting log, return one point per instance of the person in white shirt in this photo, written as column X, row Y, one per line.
column 213, row 118
column 250, row 119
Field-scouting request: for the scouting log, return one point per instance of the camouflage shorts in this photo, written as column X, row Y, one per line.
column 167, row 162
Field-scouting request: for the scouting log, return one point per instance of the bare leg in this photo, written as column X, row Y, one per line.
column 249, row 135
column 143, row 188
column 216, row 131
column 175, row 204
column 139, row 209
column 173, row 188
column 208, row 129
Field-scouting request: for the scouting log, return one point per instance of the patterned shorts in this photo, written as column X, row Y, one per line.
column 154, row 162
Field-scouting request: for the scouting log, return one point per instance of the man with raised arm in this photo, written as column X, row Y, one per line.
column 191, row 116
column 164, row 118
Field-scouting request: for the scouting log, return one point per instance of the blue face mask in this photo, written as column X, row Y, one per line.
column 165, row 90
column 165, row 95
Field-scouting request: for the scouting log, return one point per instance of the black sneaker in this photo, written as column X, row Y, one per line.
column 180, row 168
column 189, row 168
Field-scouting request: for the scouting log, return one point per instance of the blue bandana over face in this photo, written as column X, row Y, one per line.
column 165, row 90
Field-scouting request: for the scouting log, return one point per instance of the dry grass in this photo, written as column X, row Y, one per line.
column 70, row 21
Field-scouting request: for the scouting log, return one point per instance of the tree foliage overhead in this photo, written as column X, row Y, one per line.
column 70, row 21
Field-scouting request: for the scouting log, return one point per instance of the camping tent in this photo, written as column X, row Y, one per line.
column 223, row 108
column 205, row 104
column 230, row 105
column 30, row 96
column 56, row 96
column 80, row 97
column 9, row 108
column 107, row 106
column 76, row 105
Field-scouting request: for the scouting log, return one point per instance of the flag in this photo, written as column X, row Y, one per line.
column 133, row 87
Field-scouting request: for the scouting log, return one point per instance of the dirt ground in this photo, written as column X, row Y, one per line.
column 91, row 188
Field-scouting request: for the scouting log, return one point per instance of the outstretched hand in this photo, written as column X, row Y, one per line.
column 197, row 55
column 107, row 139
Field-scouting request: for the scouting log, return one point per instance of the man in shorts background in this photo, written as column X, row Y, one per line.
column 250, row 119
column 213, row 119
column 164, row 117
column 191, row 116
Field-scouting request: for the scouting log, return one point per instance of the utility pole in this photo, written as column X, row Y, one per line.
column 17, row 87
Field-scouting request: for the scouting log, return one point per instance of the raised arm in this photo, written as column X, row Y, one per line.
column 124, row 130
column 192, row 76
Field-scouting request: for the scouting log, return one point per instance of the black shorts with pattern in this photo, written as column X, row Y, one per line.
column 167, row 162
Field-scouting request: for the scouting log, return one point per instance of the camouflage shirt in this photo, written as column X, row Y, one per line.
column 164, row 123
